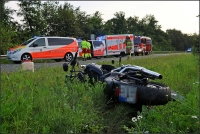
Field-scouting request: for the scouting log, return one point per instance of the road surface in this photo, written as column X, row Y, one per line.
column 16, row 67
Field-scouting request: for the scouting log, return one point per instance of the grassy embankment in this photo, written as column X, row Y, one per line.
column 41, row 102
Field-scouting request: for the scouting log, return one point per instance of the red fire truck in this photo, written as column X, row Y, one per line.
column 108, row 45
column 142, row 45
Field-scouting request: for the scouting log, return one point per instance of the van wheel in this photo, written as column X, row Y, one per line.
column 122, row 54
column 68, row 57
column 98, row 57
column 26, row 57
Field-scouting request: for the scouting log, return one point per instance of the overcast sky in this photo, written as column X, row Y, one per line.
column 180, row 15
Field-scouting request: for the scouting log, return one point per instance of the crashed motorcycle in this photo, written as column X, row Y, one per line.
column 125, row 84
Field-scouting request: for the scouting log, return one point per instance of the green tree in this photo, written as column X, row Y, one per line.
column 96, row 23
column 7, row 28
column 81, row 22
column 177, row 39
column 119, row 23
column 32, row 17
column 49, row 13
column 108, row 27
column 133, row 25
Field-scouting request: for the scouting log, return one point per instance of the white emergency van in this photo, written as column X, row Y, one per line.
column 45, row 47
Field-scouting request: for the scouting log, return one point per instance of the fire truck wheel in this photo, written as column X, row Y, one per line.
column 143, row 53
column 154, row 94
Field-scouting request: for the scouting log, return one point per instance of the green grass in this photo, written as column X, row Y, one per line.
column 41, row 102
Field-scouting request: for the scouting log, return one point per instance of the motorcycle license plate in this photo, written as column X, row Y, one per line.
column 127, row 94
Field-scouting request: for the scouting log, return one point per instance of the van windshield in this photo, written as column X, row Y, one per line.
column 97, row 43
column 27, row 42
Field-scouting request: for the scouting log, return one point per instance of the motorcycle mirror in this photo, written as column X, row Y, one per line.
column 73, row 62
column 65, row 67
column 113, row 61
column 78, row 64
column 120, row 59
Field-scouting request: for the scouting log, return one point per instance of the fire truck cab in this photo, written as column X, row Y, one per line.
column 142, row 45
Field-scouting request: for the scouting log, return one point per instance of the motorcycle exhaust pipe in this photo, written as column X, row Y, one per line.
column 151, row 74
column 144, row 71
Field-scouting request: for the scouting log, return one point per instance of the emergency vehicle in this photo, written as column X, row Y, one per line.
column 108, row 45
column 142, row 45
column 44, row 47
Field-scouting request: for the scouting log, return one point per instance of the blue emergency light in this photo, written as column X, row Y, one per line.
column 38, row 36
column 35, row 36
column 79, row 40
column 100, row 38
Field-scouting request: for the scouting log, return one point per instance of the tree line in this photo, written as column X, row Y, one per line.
column 52, row 19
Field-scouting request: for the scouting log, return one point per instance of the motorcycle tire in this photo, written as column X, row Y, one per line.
column 81, row 76
column 153, row 94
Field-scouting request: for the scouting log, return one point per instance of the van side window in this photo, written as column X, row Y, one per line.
column 59, row 41
column 67, row 41
column 39, row 42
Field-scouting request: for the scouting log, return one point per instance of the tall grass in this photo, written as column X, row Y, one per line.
column 41, row 102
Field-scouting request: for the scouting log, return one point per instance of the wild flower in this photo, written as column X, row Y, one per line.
column 134, row 119
column 194, row 117
column 139, row 117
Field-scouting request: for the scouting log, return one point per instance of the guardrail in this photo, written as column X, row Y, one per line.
column 3, row 56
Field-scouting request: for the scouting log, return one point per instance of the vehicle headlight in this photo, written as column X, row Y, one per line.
column 15, row 51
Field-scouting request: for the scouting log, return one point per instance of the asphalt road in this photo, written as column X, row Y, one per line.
column 16, row 67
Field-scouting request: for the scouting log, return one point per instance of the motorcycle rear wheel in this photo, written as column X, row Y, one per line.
column 154, row 94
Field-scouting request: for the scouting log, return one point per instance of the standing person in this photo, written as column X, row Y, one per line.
column 129, row 44
column 84, row 49
column 89, row 56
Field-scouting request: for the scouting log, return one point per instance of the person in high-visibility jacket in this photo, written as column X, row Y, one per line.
column 129, row 44
column 89, row 56
column 84, row 49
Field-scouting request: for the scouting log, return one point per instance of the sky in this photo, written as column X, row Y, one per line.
column 179, row 15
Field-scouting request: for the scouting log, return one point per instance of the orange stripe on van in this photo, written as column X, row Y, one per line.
column 56, row 53
column 17, row 47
